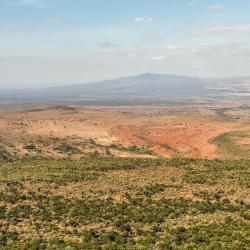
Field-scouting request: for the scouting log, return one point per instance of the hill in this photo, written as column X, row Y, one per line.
column 136, row 89
column 145, row 85
column 141, row 85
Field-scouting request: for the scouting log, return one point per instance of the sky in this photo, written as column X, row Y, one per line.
column 62, row 42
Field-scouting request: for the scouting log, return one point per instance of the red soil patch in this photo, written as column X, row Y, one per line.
column 189, row 139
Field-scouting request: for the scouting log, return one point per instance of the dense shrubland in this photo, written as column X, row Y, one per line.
column 115, row 203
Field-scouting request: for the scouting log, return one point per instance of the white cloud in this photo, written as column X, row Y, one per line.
column 139, row 19
column 216, row 6
column 143, row 19
column 222, row 30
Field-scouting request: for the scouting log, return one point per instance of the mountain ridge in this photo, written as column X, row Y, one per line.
column 141, row 85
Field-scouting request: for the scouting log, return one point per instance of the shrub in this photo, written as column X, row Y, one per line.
column 30, row 147
column 67, row 148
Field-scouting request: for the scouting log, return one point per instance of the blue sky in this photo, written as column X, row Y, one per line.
column 60, row 42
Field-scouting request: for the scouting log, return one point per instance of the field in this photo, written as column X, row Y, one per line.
column 125, row 177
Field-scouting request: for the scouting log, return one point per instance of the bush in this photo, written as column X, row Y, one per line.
column 67, row 148
column 30, row 147
column 5, row 155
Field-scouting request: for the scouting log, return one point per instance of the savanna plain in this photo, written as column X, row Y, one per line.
column 174, row 176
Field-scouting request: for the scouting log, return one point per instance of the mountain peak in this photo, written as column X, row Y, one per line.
column 142, row 85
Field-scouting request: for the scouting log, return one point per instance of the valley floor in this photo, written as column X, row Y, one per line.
column 169, row 131
column 169, row 177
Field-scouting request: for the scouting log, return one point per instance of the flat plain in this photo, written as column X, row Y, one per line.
column 167, row 131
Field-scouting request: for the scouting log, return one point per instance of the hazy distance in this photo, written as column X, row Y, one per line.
column 57, row 43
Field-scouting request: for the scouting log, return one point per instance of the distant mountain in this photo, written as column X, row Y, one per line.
column 145, row 85
column 139, row 86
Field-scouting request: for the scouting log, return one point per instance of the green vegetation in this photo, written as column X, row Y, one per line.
column 132, row 149
column 124, row 203
column 229, row 144
column 30, row 146
column 74, row 146
column 67, row 148
column 5, row 155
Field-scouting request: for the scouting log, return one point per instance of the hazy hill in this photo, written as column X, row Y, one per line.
column 144, row 85
column 141, row 85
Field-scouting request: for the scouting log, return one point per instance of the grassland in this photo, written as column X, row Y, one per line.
column 235, row 144
column 124, row 203
column 72, row 132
